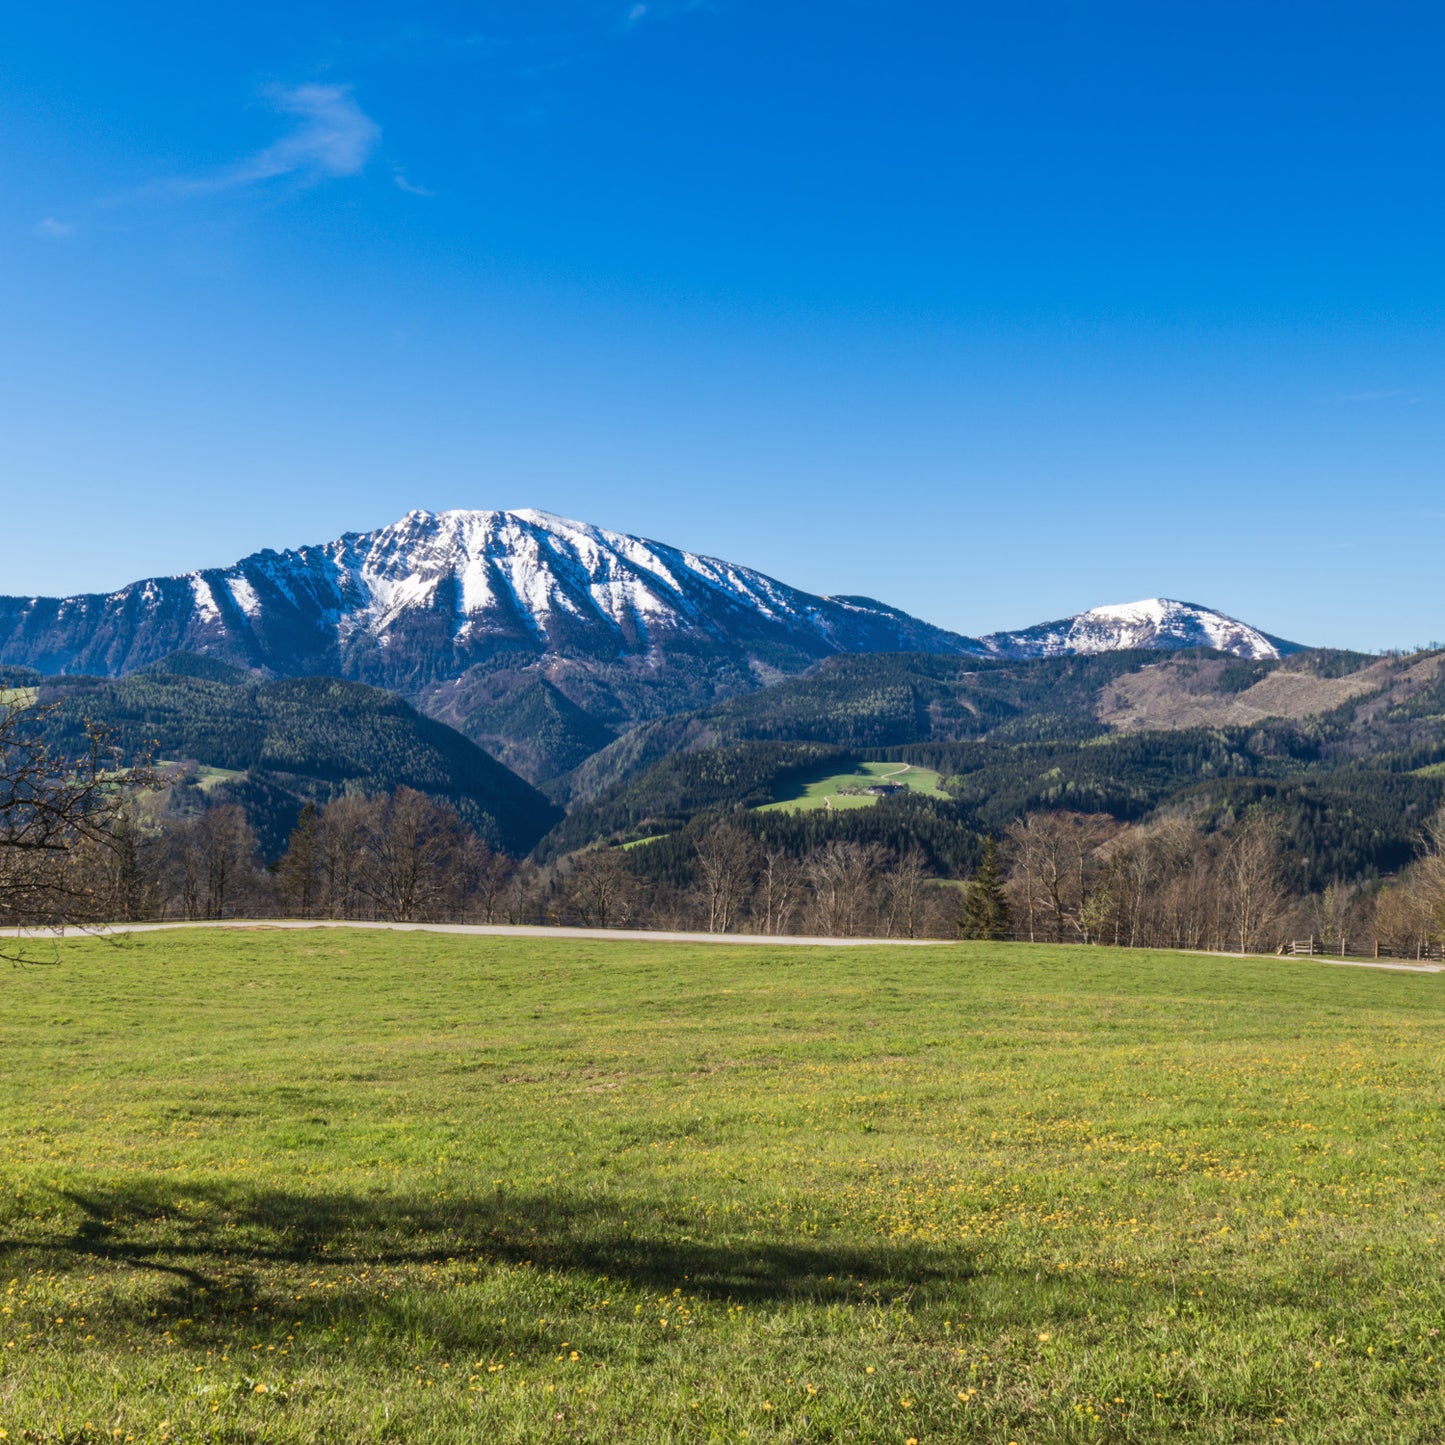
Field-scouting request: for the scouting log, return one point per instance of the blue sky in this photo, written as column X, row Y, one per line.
column 994, row 312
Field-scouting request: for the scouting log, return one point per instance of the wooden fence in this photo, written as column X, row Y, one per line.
column 1330, row 948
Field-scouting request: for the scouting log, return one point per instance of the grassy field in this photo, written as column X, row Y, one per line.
column 207, row 779
column 827, row 792
column 366, row 1186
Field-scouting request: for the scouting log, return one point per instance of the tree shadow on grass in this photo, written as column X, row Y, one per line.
column 228, row 1253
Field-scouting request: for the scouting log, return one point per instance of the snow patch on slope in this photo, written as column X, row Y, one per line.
column 245, row 596
column 206, row 608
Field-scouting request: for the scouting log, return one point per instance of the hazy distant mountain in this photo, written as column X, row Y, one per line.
column 539, row 638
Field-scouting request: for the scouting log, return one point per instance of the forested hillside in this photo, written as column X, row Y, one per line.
column 1328, row 706
column 1121, row 797
column 1345, row 764
column 685, row 784
column 281, row 744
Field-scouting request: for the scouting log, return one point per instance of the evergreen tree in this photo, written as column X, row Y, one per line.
column 300, row 870
column 985, row 913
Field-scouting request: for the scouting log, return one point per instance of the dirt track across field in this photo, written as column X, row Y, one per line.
column 619, row 935
column 484, row 930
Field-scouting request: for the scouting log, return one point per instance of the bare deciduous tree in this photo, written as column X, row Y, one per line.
column 55, row 808
column 409, row 864
column 341, row 837
column 123, row 874
column 1409, row 915
column 842, row 877
column 1252, row 876
column 521, row 898
column 780, row 887
column 213, row 862
column 904, row 887
column 726, row 862
column 1053, row 869
column 599, row 889
column 490, row 878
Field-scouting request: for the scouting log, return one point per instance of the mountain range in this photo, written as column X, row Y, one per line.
column 539, row 638
column 562, row 686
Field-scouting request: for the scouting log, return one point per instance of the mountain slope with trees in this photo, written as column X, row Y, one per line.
column 279, row 745
column 1347, row 772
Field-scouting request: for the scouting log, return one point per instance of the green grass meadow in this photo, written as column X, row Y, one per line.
column 826, row 792
column 356, row 1186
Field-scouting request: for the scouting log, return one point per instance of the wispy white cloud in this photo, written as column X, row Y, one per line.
column 333, row 138
column 648, row 10
column 410, row 187
column 52, row 230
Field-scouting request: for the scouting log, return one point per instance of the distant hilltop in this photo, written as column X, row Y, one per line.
column 1156, row 623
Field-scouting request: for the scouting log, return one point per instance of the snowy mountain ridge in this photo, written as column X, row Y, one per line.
column 435, row 593
column 540, row 565
column 425, row 599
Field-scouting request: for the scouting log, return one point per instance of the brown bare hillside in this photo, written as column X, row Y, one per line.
column 1183, row 692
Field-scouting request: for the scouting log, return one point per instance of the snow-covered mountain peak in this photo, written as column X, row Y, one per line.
column 1149, row 610
column 1159, row 623
column 540, row 566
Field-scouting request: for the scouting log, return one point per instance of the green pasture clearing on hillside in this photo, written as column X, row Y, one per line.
column 826, row 792
column 203, row 775
column 19, row 696
column 357, row 1186
column 208, row 778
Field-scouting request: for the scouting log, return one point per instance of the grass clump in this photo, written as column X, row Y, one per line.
column 292, row 1187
